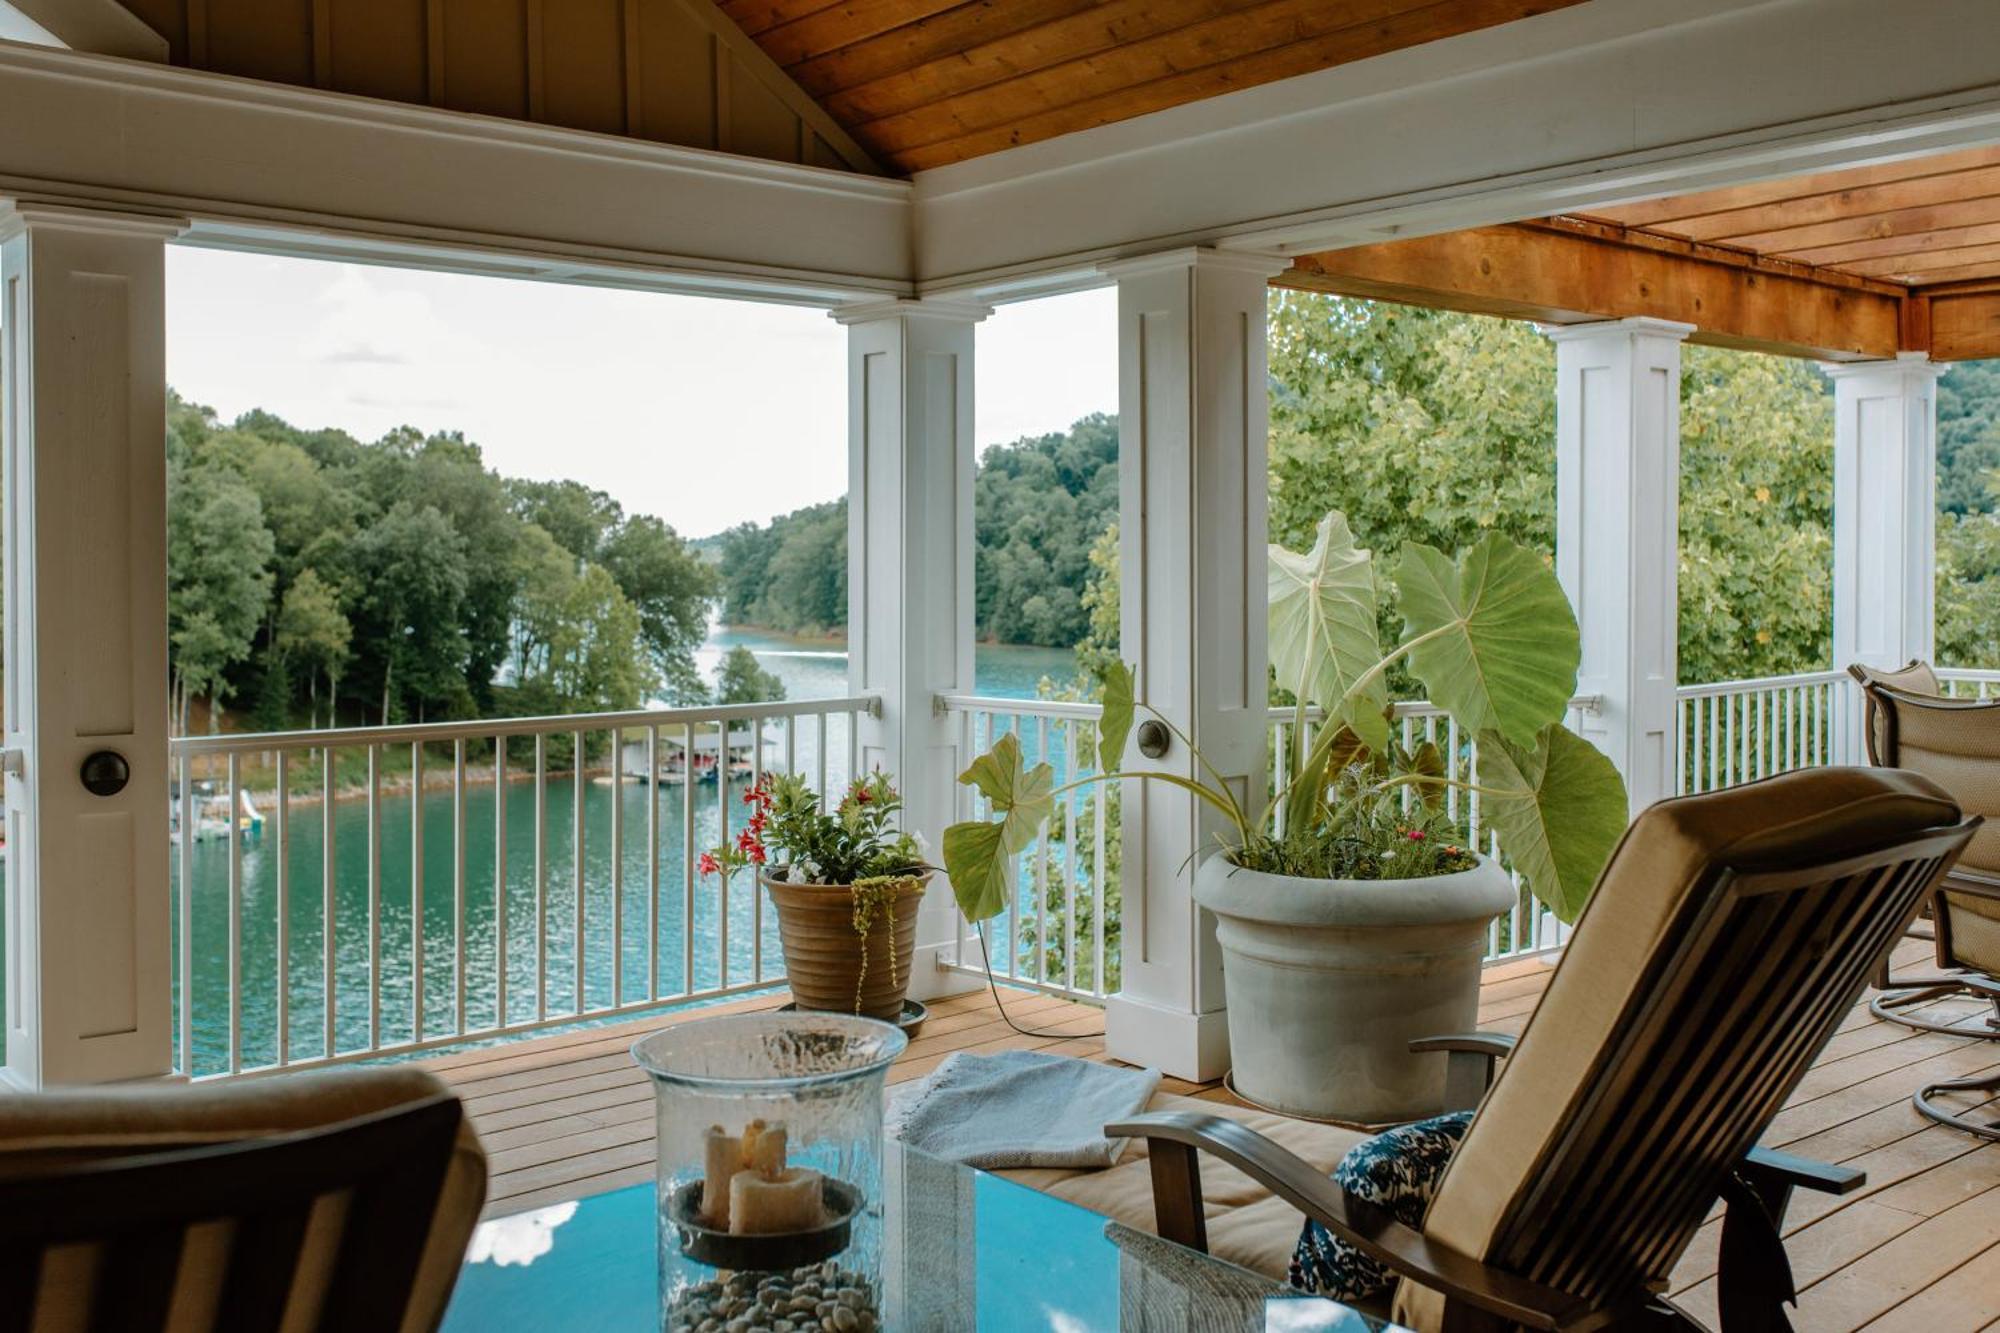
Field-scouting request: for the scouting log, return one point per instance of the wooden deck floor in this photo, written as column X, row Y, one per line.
column 1917, row 1249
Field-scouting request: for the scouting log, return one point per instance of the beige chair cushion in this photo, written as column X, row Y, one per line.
column 1956, row 744
column 1915, row 678
column 1669, row 852
column 1974, row 930
column 1246, row 1225
column 49, row 1129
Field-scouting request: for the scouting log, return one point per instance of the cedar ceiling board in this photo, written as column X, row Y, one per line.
column 583, row 65
column 1916, row 243
column 845, row 25
column 1972, row 272
column 1405, row 30
column 1965, row 328
column 1867, row 201
column 1079, row 50
column 1529, row 273
column 380, row 49
column 1909, row 221
column 486, row 57
column 1921, row 266
column 952, row 36
column 677, row 76
column 755, row 16
column 1216, row 43
column 1656, row 212
column 261, row 39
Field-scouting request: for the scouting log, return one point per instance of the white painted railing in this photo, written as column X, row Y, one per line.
column 1740, row 730
column 1061, row 931
column 402, row 915
column 1967, row 683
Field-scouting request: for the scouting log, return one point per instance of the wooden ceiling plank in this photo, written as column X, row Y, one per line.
column 1522, row 272
column 944, row 36
column 1902, row 266
column 1411, row 28
column 844, row 25
column 756, row 16
column 1911, row 243
column 1215, row 43
column 1867, row 201
column 1676, row 208
column 1072, row 42
column 1903, row 222
column 1974, row 272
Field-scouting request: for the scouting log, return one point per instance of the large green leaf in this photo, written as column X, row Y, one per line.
column 1559, row 808
column 1116, row 723
column 1322, row 628
column 1502, row 650
column 979, row 855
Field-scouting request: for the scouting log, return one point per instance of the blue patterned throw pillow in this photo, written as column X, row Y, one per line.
column 1398, row 1169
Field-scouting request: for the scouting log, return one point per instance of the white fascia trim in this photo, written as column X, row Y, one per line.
column 1606, row 102
column 103, row 26
column 295, row 170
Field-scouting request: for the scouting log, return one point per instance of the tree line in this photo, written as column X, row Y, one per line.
column 313, row 576
column 1038, row 506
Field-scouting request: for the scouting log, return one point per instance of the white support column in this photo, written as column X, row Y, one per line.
column 1618, row 431
column 1884, row 511
column 910, row 564
column 83, row 379
column 1192, row 412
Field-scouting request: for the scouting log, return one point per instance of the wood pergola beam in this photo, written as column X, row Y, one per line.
column 1568, row 271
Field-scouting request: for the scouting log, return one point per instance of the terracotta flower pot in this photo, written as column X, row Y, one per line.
column 824, row 956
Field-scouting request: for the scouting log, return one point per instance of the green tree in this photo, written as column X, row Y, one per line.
column 670, row 586
column 315, row 636
column 740, row 680
column 218, row 580
column 412, row 570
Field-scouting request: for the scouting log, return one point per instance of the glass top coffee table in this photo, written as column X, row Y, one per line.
column 964, row 1251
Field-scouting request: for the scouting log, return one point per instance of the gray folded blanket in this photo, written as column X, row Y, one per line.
column 1020, row 1108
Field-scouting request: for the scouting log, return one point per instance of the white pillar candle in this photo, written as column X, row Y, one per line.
column 722, row 1158
column 788, row 1202
column 764, row 1148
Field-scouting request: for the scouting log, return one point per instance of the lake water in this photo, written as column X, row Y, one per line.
column 709, row 935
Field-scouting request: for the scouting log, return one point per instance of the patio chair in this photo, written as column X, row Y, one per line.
column 338, row 1200
column 1726, row 940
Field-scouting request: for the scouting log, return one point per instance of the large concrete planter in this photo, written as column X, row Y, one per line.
column 827, row 962
column 1328, row 981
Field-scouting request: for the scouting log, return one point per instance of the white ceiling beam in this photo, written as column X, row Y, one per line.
column 1605, row 102
column 103, row 26
column 305, row 171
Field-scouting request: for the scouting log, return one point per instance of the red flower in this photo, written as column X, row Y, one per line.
column 756, row 855
column 751, row 795
column 1415, row 835
column 862, row 795
column 709, row 865
column 746, row 840
column 757, row 822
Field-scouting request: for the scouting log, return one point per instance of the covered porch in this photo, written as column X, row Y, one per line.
column 526, row 917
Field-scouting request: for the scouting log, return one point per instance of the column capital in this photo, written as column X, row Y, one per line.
column 18, row 215
column 1251, row 262
column 1636, row 325
column 1913, row 364
column 961, row 310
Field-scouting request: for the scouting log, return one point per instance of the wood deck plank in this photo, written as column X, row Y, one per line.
column 1918, row 1248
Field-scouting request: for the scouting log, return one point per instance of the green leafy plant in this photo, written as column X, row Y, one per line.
column 854, row 842
column 1492, row 640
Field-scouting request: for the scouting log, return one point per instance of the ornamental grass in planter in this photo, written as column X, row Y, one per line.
column 846, row 886
column 1351, row 914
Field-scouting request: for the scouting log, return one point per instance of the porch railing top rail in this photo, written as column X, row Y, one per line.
column 1755, row 683
column 988, row 703
column 488, row 728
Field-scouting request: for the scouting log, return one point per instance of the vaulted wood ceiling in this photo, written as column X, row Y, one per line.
column 923, row 83
column 847, row 83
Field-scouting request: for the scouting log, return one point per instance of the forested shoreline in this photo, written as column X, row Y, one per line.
column 315, row 577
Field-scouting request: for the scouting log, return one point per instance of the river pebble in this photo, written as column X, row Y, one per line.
column 820, row 1298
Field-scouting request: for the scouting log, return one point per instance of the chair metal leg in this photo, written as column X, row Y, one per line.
column 1989, row 1083
column 1911, row 992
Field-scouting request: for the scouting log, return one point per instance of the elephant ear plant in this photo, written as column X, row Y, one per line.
column 1493, row 641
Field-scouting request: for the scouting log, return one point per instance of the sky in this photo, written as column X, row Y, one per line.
column 704, row 412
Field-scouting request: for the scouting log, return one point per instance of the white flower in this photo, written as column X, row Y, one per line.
column 808, row 871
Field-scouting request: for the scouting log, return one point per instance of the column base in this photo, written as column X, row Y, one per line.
column 1190, row 1046
column 931, row 977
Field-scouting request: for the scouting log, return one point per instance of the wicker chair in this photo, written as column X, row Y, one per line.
column 328, row 1201
column 1727, row 939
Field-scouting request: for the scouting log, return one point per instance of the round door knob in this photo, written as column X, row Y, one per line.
column 105, row 773
column 1154, row 738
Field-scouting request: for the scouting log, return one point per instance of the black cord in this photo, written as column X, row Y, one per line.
column 986, row 957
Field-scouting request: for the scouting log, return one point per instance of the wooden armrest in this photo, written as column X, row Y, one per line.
column 1795, row 1172
column 1470, row 1058
column 1175, row 1138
